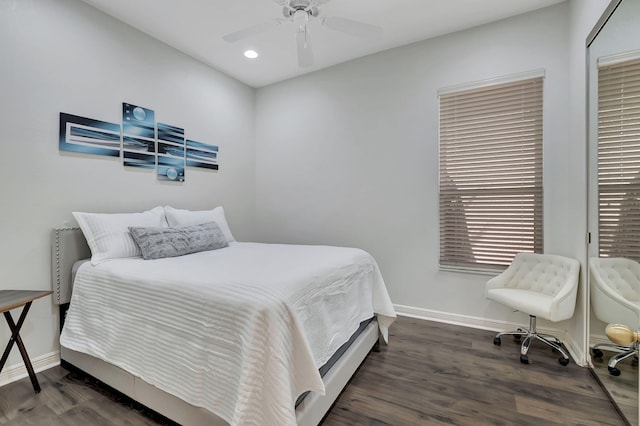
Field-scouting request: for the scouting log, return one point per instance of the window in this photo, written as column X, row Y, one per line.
column 619, row 157
column 490, row 173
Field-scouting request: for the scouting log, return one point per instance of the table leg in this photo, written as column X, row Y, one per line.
column 15, row 338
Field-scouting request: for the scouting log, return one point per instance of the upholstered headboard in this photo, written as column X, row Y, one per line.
column 67, row 246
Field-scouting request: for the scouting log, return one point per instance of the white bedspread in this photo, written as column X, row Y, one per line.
column 240, row 331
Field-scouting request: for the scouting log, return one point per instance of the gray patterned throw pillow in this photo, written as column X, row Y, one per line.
column 156, row 243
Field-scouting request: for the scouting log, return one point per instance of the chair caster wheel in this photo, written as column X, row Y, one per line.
column 614, row 371
column 524, row 359
column 563, row 361
column 517, row 338
column 497, row 341
column 597, row 353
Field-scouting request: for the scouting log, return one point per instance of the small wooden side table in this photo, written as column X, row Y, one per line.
column 11, row 299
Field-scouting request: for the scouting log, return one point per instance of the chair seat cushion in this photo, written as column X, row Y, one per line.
column 530, row 302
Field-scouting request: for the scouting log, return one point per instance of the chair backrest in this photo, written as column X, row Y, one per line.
column 615, row 290
column 543, row 273
column 620, row 274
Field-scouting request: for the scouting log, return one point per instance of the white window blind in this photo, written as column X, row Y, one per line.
column 619, row 159
column 491, row 174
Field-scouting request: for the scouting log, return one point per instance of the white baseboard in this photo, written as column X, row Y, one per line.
column 16, row 372
column 492, row 325
column 599, row 339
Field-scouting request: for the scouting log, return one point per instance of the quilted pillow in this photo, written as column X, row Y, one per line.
column 156, row 243
column 180, row 217
column 108, row 236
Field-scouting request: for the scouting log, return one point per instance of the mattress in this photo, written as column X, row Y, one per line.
column 239, row 331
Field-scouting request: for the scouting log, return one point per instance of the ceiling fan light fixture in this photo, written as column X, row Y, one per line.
column 301, row 13
column 300, row 18
column 290, row 7
column 250, row 54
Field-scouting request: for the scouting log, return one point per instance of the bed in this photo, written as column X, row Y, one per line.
column 203, row 339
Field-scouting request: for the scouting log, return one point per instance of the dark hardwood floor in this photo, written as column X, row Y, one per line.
column 430, row 374
column 440, row 374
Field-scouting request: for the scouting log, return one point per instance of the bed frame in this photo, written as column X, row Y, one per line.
column 69, row 246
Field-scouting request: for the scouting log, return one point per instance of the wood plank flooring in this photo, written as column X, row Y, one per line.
column 430, row 374
column 439, row 374
column 623, row 388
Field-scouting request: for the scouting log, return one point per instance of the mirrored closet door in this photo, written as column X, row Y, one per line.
column 614, row 201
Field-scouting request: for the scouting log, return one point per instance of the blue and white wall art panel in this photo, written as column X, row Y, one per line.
column 202, row 155
column 170, row 168
column 171, row 161
column 88, row 136
column 138, row 136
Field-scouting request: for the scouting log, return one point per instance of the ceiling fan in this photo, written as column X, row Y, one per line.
column 301, row 12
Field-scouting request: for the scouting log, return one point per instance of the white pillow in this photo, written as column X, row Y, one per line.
column 180, row 217
column 108, row 233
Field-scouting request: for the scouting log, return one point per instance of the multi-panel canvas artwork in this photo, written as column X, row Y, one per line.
column 139, row 141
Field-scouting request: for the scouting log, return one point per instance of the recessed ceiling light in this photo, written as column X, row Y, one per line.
column 251, row 54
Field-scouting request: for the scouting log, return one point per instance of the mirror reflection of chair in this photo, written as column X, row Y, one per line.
column 615, row 298
column 541, row 285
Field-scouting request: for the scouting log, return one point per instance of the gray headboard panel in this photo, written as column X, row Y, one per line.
column 67, row 246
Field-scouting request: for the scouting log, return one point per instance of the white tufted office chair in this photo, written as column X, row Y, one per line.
column 541, row 285
column 615, row 298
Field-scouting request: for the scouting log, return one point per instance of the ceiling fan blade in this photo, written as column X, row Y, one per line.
column 305, row 54
column 351, row 27
column 251, row 31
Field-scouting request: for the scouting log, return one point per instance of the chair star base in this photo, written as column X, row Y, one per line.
column 624, row 352
column 529, row 336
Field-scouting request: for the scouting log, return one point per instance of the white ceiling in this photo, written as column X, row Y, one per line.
column 196, row 27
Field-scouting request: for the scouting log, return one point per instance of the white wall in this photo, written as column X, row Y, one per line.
column 349, row 155
column 64, row 56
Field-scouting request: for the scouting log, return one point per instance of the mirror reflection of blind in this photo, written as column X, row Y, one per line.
column 619, row 159
column 491, row 174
